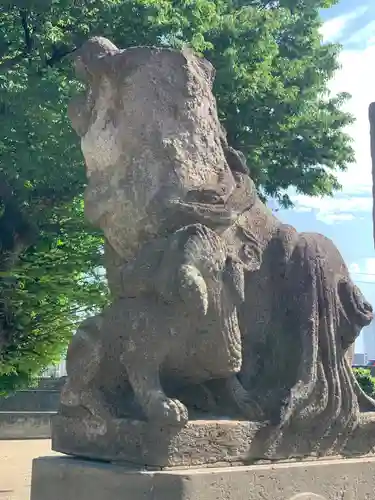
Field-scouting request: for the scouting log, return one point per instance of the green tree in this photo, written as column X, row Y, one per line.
column 365, row 380
column 271, row 88
column 272, row 92
column 53, row 284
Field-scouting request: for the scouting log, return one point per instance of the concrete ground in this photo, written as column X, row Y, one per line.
column 15, row 466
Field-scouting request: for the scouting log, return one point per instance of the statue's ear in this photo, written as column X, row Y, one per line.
column 234, row 280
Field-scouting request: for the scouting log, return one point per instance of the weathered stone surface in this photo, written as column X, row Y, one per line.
column 149, row 133
column 199, row 443
column 218, row 308
column 56, row 478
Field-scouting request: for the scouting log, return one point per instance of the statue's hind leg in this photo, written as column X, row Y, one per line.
column 247, row 405
column 228, row 396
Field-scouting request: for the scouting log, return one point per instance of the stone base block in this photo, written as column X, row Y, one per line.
column 62, row 478
column 201, row 442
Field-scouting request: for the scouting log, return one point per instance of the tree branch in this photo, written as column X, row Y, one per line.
column 59, row 53
column 6, row 192
column 26, row 30
column 9, row 63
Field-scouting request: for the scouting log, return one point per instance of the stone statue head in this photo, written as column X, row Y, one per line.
column 149, row 134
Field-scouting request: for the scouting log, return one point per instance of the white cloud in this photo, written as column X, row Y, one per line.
column 363, row 271
column 362, row 35
column 331, row 218
column 332, row 210
column 357, row 77
column 354, row 268
column 332, row 29
column 348, row 204
column 370, row 266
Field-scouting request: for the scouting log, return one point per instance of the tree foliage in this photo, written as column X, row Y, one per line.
column 365, row 380
column 271, row 88
column 49, row 289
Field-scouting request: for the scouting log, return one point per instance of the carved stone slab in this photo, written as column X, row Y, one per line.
column 64, row 478
column 201, row 442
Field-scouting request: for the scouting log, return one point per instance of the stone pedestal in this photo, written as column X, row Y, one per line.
column 213, row 443
column 200, row 443
column 63, row 478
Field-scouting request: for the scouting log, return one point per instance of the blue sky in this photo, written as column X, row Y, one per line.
column 347, row 217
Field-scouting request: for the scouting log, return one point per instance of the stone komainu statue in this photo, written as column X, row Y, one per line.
column 218, row 308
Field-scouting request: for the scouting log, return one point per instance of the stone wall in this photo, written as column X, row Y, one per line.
column 27, row 413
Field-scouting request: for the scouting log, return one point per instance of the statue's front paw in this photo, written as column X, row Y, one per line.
column 170, row 411
column 176, row 411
